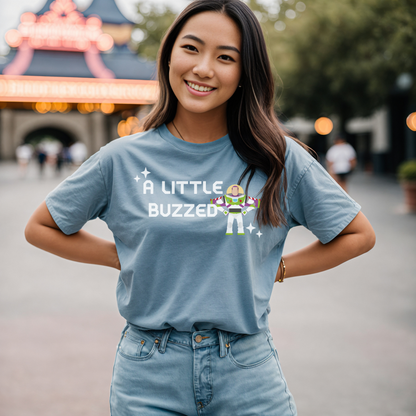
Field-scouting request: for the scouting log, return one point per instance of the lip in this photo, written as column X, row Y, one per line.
column 199, row 93
column 199, row 83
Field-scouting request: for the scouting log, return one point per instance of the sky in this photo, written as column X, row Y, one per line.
column 10, row 11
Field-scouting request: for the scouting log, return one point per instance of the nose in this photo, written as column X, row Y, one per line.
column 204, row 68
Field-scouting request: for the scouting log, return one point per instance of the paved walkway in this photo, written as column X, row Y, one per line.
column 346, row 337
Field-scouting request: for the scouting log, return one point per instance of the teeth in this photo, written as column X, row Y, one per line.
column 199, row 87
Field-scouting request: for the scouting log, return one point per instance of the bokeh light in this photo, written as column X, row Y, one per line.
column 323, row 126
column 130, row 126
column 43, row 107
column 28, row 17
column 411, row 121
column 107, row 108
column 280, row 26
column 290, row 14
column 105, row 42
column 13, row 38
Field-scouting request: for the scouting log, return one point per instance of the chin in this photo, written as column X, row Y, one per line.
column 199, row 107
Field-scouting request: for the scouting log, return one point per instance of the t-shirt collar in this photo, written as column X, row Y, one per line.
column 190, row 147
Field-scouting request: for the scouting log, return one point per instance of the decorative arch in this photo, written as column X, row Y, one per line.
column 66, row 125
column 65, row 137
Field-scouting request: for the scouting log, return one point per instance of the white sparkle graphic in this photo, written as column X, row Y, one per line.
column 137, row 178
column 145, row 172
column 250, row 228
column 259, row 233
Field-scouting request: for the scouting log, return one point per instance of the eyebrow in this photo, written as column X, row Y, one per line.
column 224, row 47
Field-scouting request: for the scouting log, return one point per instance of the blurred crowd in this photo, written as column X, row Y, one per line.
column 50, row 153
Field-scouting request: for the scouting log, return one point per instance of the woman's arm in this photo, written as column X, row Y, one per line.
column 42, row 232
column 356, row 239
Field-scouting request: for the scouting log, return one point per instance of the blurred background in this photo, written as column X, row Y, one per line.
column 75, row 75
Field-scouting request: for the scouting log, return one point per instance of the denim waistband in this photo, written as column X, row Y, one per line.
column 196, row 339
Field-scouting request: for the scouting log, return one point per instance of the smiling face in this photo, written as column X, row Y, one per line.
column 205, row 63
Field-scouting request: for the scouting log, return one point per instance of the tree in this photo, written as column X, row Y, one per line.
column 329, row 57
column 153, row 22
column 344, row 57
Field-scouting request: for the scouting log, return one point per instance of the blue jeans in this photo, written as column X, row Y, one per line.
column 198, row 373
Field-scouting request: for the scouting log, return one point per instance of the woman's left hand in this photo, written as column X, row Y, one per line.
column 357, row 238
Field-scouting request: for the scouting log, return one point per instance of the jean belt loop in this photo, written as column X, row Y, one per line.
column 163, row 343
column 223, row 340
column 123, row 332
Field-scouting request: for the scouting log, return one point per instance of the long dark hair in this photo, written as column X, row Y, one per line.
column 254, row 130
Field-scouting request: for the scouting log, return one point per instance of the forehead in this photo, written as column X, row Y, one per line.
column 213, row 27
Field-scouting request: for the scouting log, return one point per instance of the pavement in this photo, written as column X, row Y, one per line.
column 346, row 337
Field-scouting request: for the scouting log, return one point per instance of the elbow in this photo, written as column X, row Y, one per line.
column 368, row 240
column 29, row 234
column 33, row 232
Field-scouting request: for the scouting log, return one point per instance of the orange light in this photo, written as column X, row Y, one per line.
column 411, row 121
column 81, row 108
column 43, row 107
column 67, row 108
column 130, row 126
column 107, row 108
column 323, row 126
column 121, row 128
column 131, row 121
column 89, row 107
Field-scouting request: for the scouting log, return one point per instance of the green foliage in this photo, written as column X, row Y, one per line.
column 343, row 57
column 407, row 171
column 154, row 21
column 332, row 57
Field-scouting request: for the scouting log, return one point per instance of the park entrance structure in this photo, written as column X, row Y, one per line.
column 73, row 71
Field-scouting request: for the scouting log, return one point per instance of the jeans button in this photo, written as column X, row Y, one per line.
column 198, row 338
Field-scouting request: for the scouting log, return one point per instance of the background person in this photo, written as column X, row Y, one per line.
column 341, row 160
column 24, row 153
column 42, row 155
column 196, row 301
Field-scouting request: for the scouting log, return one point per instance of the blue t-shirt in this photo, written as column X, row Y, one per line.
column 192, row 255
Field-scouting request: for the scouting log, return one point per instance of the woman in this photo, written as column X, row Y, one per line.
column 194, row 286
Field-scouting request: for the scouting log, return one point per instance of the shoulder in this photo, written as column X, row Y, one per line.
column 121, row 147
column 297, row 158
column 123, row 144
column 300, row 167
column 349, row 147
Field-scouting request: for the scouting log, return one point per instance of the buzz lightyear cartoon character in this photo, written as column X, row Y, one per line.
column 235, row 204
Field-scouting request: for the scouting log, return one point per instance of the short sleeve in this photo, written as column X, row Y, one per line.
column 318, row 203
column 353, row 154
column 80, row 198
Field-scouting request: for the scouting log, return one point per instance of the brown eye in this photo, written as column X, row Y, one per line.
column 226, row 58
column 190, row 48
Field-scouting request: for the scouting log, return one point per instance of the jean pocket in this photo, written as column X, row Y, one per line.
column 251, row 350
column 137, row 345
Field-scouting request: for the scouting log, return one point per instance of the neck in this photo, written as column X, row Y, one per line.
column 199, row 128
